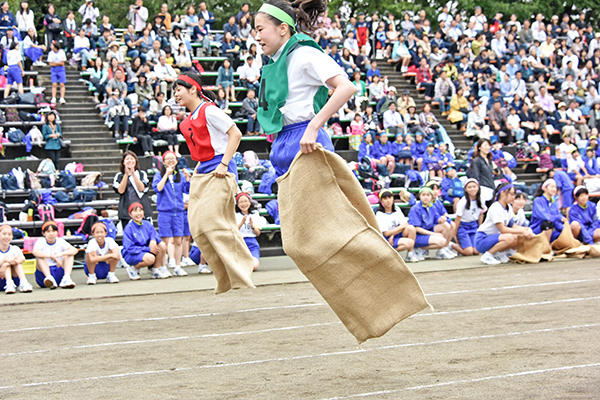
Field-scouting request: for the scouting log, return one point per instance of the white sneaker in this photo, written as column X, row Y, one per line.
column 185, row 261
column 501, row 256
column 133, row 273
column 10, row 287
column 25, row 287
column 172, row 263
column 159, row 273
column 112, row 278
column 62, row 100
column 489, row 259
column 411, row 256
column 165, row 271
column 53, row 100
column 510, row 252
column 442, row 255
column 204, row 269
column 178, row 271
column 39, row 63
column 91, row 280
column 449, row 253
column 420, row 253
column 49, row 282
column 67, row 283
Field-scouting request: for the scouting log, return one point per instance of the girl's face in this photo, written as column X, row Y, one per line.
column 244, row 203
column 129, row 161
column 50, row 234
column 137, row 214
column 168, row 111
column 51, row 117
column 99, row 234
column 6, row 235
column 184, row 96
column 387, row 202
column 485, row 147
column 472, row 189
column 368, row 139
column 519, row 203
column 425, row 197
column 582, row 199
column 270, row 36
column 550, row 189
column 170, row 160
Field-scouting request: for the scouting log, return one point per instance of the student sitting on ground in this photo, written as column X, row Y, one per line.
column 423, row 217
column 518, row 209
column 142, row 246
column 469, row 216
column 101, row 256
column 496, row 238
column 54, row 258
column 584, row 218
column 11, row 264
column 545, row 214
column 395, row 226
column 249, row 223
column 443, row 224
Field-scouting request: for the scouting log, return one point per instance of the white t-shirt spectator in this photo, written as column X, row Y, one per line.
column 57, row 56
column 13, row 57
column 392, row 119
column 109, row 245
column 60, row 245
column 390, row 221
column 163, row 71
column 471, row 214
column 496, row 214
column 167, row 123
column 575, row 165
column 81, row 42
column 10, row 254
column 257, row 221
column 249, row 72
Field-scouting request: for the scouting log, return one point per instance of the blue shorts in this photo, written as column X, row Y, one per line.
column 209, row 166
column 56, row 272
column 134, row 259
column 422, row 240
column 396, row 239
column 58, row 74
column 170, row 223
column 485, row 242
column 287, row 145
column 195, row 254
column 13, row 75
column 15, row 280
column 186, row 224
column 101, row 269
column 253, row 246
column 466, row 234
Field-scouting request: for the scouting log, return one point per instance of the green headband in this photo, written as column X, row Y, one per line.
column 426, row 189
column 279, row 14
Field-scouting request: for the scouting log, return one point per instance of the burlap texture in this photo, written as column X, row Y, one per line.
column 565, row 241
column 329, row 230
column 211, row 216
column 532, row 250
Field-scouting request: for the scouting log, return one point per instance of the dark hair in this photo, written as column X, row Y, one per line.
column 176, row 171
column 477, row 196
column 498, row 189
column 253, row 206
column 304, row 12
column 520, row 195
column 122, row 163
column 165, row 107
column 381, row 207
column 477, row 147
column 206, row 93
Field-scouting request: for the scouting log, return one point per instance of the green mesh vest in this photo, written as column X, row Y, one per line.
column 274, row 86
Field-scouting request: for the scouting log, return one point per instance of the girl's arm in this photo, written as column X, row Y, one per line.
column 138, row 182
column 70, row 251
column 423, row 231
column 517, row 229
column 343, row 90
column 232, row 144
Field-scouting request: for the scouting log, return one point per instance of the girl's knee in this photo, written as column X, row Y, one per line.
column 162, row 246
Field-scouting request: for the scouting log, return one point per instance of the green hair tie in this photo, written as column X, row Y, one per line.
column 279, row 14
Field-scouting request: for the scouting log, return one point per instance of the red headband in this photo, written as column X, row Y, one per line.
column 97, row 224
column 195, row 84
column 168, row 152
column 240, row 194
column 135, row 205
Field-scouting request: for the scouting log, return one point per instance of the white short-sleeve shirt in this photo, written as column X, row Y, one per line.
column 57, row 56
column 387, row 222
column 496, row 214
column 471, row 214
column 109, row 244
column 245, row 229
column 307, row 69
column 10, row 254
column 59, row 246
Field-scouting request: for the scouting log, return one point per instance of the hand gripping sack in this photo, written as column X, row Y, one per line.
column 340, row 248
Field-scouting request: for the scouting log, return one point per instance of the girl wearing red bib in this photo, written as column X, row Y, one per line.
column 212, row 138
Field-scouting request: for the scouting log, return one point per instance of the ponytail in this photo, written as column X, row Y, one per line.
column 304, row 13
column 189, row 79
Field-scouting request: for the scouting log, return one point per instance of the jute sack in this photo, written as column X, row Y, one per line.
column 330, row 232
column 211, row 216
column 565, row 241
column 532, row 250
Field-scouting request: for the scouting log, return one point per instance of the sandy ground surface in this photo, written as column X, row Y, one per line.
column 509, row 332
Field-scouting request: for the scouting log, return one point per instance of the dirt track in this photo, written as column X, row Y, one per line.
column 512, row 332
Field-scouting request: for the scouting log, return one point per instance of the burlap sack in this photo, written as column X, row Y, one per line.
column 211, row 216
column 565, row 241
column 594, row 251
column 330, row 232
column 532, row 250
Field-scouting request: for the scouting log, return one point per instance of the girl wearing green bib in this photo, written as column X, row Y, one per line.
column 295, row 82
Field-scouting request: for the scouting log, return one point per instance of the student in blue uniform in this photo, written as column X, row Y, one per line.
column 565, row 188
column 54, row 258
column 444, row 224
column 432, row 162
column 169, row 184
column 470, row 210
column 142, row 246
column 384, row 152
column 249, row 223
column 101, row 256
column 584, row 218
column 591, row 162
column 395, row 227
column 366, row 148
column 418, row 149
column 545, row 214
column 423, row 217
column 452, row 187
column 496, row 238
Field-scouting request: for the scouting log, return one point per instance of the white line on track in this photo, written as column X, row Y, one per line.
column 293, row 306
column 285, row 328
column 467, row 381
column 306, row 356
